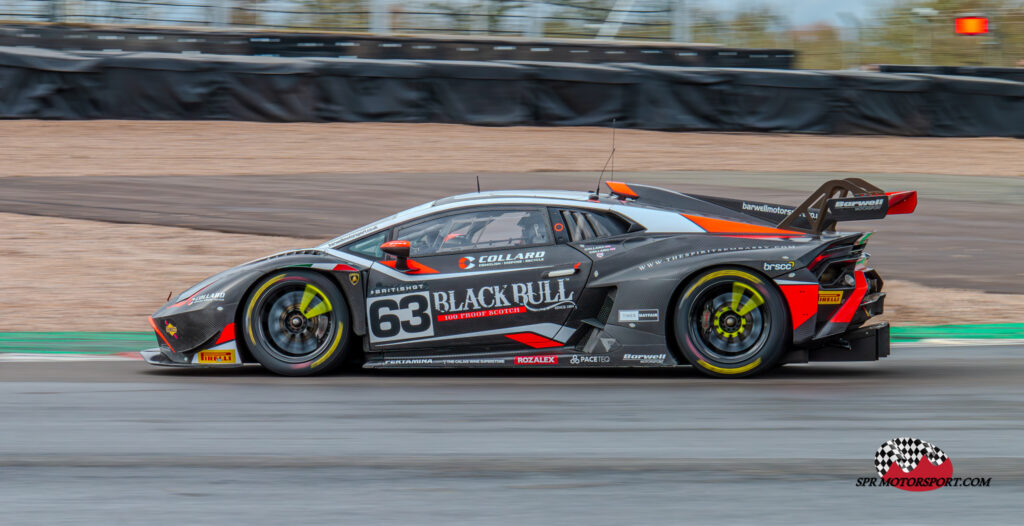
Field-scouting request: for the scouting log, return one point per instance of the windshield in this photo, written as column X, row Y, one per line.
column 376, row 225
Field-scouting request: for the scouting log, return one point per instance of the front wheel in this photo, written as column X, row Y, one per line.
column 296, row 323
column 731, row 323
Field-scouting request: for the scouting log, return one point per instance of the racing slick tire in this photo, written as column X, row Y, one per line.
column 296, row 323
column 730, row 323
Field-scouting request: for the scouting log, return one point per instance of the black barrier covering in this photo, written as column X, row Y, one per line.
column 865, row 102
column 38, row 83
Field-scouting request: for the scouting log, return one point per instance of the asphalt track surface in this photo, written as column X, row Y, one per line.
column 965, row 233
column 124, row 443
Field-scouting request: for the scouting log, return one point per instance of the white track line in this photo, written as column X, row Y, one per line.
column 64, row 357
column 122, row 357
column 958, row 342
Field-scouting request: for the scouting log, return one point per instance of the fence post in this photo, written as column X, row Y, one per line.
column 380, row 17
column 613, row 22
column 680, row 22
column 224, row 13
column 535, row 25
column 54, row 11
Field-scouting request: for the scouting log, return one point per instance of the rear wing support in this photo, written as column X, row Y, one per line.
column 839, row 199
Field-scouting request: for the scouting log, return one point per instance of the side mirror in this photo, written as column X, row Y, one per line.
column 399, row 249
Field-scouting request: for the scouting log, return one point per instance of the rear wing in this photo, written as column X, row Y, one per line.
column 851, row 199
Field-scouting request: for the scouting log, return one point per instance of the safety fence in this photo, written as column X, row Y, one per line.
column 49, row 84
column 635, row 19
column 362, row 45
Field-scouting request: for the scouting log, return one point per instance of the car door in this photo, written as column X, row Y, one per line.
column 477, row 279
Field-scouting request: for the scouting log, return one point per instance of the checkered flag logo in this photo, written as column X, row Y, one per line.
column 906, row 452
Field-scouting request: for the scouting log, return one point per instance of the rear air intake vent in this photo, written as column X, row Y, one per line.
column 606, row 308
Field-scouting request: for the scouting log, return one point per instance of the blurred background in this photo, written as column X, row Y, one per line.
column 148, row 144
column 825, row 34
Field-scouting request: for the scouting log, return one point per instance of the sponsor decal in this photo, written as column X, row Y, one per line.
column 399, row 317
column 206, row 298
column 227, row 356
column 474, row 361
column 356, row 233
column 559, row 227
column 170, row 329
column 859, row 204
column 353, row 278
column 481, row 314
column 409, row 361
column 676, row 257
column 397, row 289
column 772, row 209
column 532, row 296
column 497, row 260
column 830, row 297
column 599, row 250
column 577, row 359
column 644, row 358
column 639, row 315
column 912, row 464
column 541, row 359
column 779, row 267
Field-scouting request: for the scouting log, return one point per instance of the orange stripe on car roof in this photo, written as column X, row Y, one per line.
column 621, row 189
column 716, row 226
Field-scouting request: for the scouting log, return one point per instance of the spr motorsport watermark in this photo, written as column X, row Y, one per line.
column 911, row 464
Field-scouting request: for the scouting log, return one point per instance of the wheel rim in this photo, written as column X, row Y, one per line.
column 729, row 322
column 296, row 322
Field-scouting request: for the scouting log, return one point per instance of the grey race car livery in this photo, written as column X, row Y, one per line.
column 638, row 277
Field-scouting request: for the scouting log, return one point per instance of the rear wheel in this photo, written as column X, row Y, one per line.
column 731, row 323
column 296, row 323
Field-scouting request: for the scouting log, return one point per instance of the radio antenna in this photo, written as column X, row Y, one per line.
column 478, row 184
column 611, row 159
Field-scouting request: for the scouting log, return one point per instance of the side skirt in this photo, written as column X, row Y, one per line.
column 558, row 357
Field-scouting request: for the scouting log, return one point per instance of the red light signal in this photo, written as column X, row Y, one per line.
column 971, row 25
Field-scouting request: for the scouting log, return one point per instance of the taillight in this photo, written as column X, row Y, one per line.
column 834, row 253
column 836, row 263
column 817, row 260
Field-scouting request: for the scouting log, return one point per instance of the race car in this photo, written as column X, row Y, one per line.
column 639, row 276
